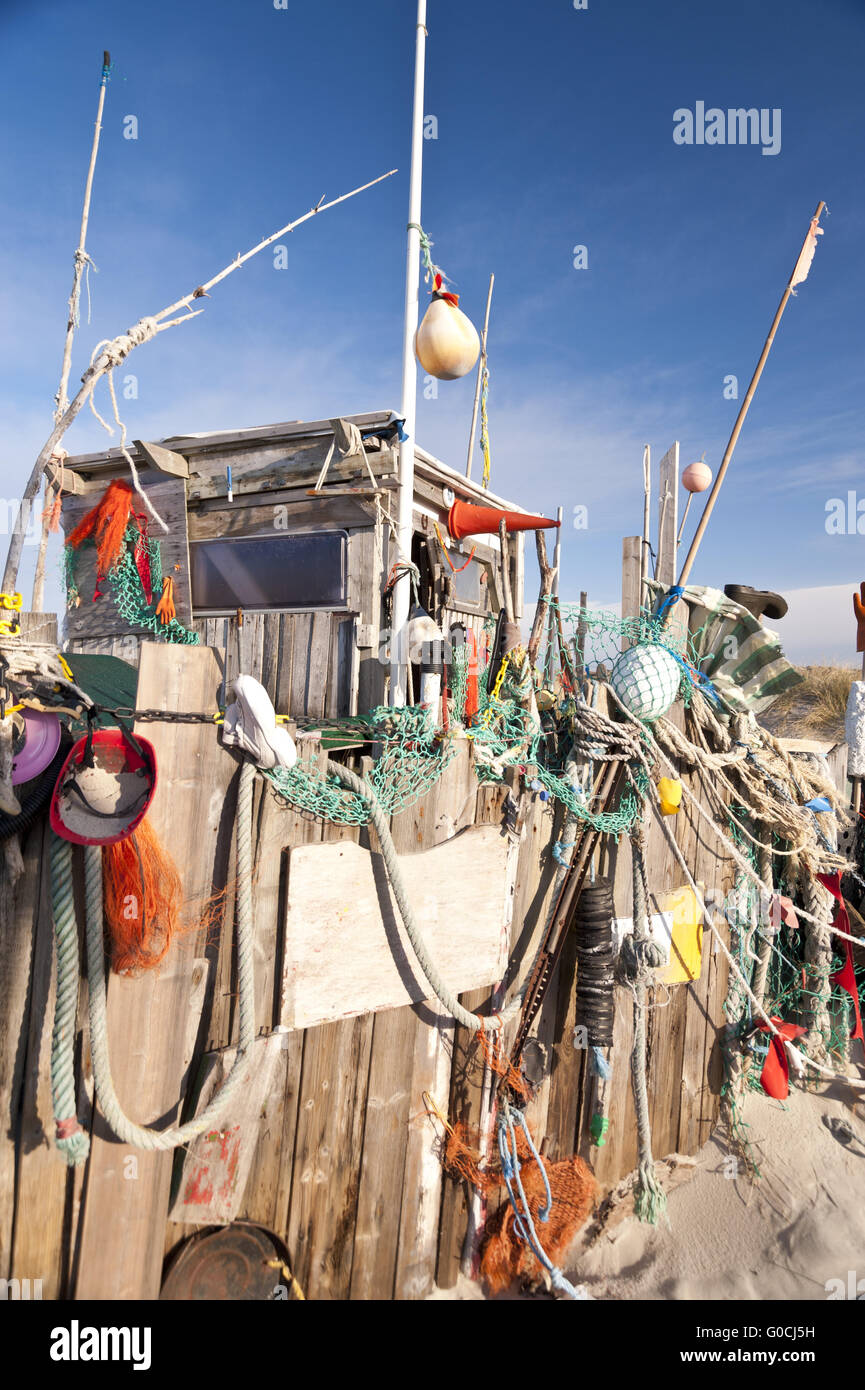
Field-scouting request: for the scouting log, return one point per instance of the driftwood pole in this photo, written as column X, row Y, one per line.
column 82, row 260
column 507, row 596
column 647, row 520
column 580, row 638
column 81, row 256
column 800, row 270
column 542, row 612
column 482, row 360
column 555, row 626
column 109, row 354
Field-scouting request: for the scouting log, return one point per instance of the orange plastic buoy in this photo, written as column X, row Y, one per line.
column 466, row 519
column 447, row 343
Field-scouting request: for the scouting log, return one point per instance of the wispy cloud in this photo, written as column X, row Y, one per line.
column 820, row 627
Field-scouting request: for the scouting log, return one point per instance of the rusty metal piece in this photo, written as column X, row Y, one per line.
column 226, row 1265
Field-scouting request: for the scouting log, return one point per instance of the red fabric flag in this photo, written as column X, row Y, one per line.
column 846, row 976
column 775, row 1076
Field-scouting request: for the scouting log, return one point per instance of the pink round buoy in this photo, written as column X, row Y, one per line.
column 41, row 741
column 697, row 477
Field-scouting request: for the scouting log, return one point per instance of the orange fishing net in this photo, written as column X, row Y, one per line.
column 55, row 512
column 500, row 1064
column 143, row 920
column 504, row 1256
column 106, row 524
column 142, row 895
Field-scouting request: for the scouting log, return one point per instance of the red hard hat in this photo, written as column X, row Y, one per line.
column 105, row 788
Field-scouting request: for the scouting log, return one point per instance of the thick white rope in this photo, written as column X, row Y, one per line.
column 683, row 748
column 141, row 1136
column 728, row 844
column 798, row 1058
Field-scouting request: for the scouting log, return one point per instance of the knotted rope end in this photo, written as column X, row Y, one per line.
column 71, row 1140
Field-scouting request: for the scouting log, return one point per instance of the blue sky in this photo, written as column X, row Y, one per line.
column 555, row 129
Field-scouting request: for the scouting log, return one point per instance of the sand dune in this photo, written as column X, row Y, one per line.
column 784, row 1236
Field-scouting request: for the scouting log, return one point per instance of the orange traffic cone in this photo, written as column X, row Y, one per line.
column 464, row 519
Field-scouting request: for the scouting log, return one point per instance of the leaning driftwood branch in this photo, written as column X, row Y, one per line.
column 507, row 596
column 542, row 612
column 81, row 260
column 113, row 353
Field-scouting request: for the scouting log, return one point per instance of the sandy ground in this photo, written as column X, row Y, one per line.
column 783, row 1236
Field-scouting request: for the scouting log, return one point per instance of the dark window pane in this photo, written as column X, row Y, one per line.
column 290, row 571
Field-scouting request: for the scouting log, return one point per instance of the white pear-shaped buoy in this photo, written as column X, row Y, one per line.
column 697, row 476
column 447, row 343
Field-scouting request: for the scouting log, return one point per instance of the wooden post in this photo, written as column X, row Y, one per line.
column 646, row 552
column 542, row 611
column 580, row 639
column 507, row 597
column 632, row 549
column 668, row 516
column 126, row 1199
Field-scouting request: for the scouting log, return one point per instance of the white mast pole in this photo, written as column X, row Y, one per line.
column 402, row 588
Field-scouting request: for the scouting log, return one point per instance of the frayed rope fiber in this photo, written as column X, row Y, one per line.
column 142, row 897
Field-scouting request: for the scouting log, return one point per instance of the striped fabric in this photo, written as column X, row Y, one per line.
column 742, row 659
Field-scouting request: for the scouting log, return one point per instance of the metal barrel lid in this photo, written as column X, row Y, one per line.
column 227, row 1265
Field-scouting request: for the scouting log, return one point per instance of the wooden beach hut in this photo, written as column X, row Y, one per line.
column 331, row 1145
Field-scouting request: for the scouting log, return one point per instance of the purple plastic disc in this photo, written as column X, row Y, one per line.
column 41, row 741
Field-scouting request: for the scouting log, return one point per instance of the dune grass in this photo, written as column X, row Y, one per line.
column 819, row 704
column 828, row 687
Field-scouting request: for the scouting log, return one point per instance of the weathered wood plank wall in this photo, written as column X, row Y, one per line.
column 345, row 1168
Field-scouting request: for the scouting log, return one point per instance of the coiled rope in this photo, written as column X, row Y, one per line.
column 594, row 1005
column 818, row 954
column 69, row 1138
column 640, row 955
column 799, row 1059
column 831, row 861
column 140, row 1136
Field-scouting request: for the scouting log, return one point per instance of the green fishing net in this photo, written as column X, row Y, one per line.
column 411, row 761
column 595, row 637
column 125, row 583
column 788, row 992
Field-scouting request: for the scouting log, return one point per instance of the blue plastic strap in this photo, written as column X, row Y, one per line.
column 673, row 594
column 600, row 1065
